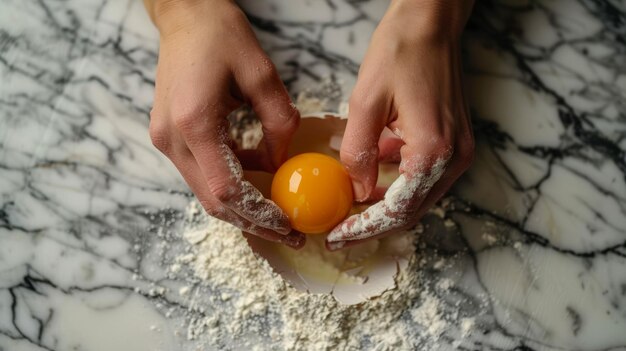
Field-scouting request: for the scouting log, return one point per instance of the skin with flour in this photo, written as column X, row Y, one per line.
column 410, row 81
column 201, row 78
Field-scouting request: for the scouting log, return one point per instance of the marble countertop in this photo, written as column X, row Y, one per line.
column 539, row 222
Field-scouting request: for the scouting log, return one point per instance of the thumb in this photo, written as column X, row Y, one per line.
column 359, row 148
column 269, row 99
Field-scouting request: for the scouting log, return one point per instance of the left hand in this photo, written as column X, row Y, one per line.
column 410, row 82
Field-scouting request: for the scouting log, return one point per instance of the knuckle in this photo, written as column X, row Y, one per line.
column 441, row 147
column 291, row 120
column 160, row 137
column 402, row 220
column 214, row 210
column 285, row 124
column 361, row 164
column 437, row 147
column 186, row 121
column 348, row 157
column 223, row 191
column 187, row 111
column 406, row 217
column 351, row 159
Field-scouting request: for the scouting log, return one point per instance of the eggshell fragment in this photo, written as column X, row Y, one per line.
column 351, row 275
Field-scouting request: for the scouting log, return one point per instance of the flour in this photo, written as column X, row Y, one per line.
column 429, row 311
column 466, row 326
column 257, row 301
column 307, row 104
column 224, row 259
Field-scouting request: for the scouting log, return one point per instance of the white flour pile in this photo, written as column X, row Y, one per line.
column 304, row 321
column 256, row 305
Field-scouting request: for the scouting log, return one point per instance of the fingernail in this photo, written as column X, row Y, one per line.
column 334, row 246
column 360, row 193
column 284, row 230
column 334, row 236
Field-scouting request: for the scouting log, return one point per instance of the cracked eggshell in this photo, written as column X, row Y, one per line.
column 351, row 275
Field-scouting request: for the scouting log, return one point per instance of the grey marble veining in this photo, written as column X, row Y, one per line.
column 539, row 234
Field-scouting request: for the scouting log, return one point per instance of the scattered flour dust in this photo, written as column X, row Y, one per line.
column 258, row 306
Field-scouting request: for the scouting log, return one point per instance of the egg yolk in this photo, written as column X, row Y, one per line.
column 314, row 190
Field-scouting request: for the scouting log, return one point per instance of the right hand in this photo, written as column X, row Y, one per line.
column 210, row 63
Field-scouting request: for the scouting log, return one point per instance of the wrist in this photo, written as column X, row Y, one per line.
column 434, row 20
column 170, row 16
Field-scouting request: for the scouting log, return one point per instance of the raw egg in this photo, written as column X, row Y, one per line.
column 314, row 190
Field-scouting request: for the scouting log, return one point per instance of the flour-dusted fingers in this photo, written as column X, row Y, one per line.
column 460, row 162
column 216, row 209
column 420, row 185
column 198, row 83
column 398, row 209
column 418, row 74
column 186, row 164
column 223, row 173
column 338, row 245
column 295, row 240
column 456, row 166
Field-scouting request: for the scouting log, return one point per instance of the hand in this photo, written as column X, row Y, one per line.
column 210, row 63
column 410, row 81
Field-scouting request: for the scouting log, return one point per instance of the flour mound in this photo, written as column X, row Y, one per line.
column 221, row 258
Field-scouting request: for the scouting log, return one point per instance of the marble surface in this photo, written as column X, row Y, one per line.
column 538, row 225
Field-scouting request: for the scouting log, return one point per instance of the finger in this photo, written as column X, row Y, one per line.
column 359, row 148
column 396, row 211
column 460, row 162
column 338, row 245
column 401, row 220
column 215, row 209
column 434, row 139
column 389, row 146
column 457, row 165
column 207, row 138
column 186, row 164
column 261, row 85
column 425, row 156
column 295, row 240
column 389, row 149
